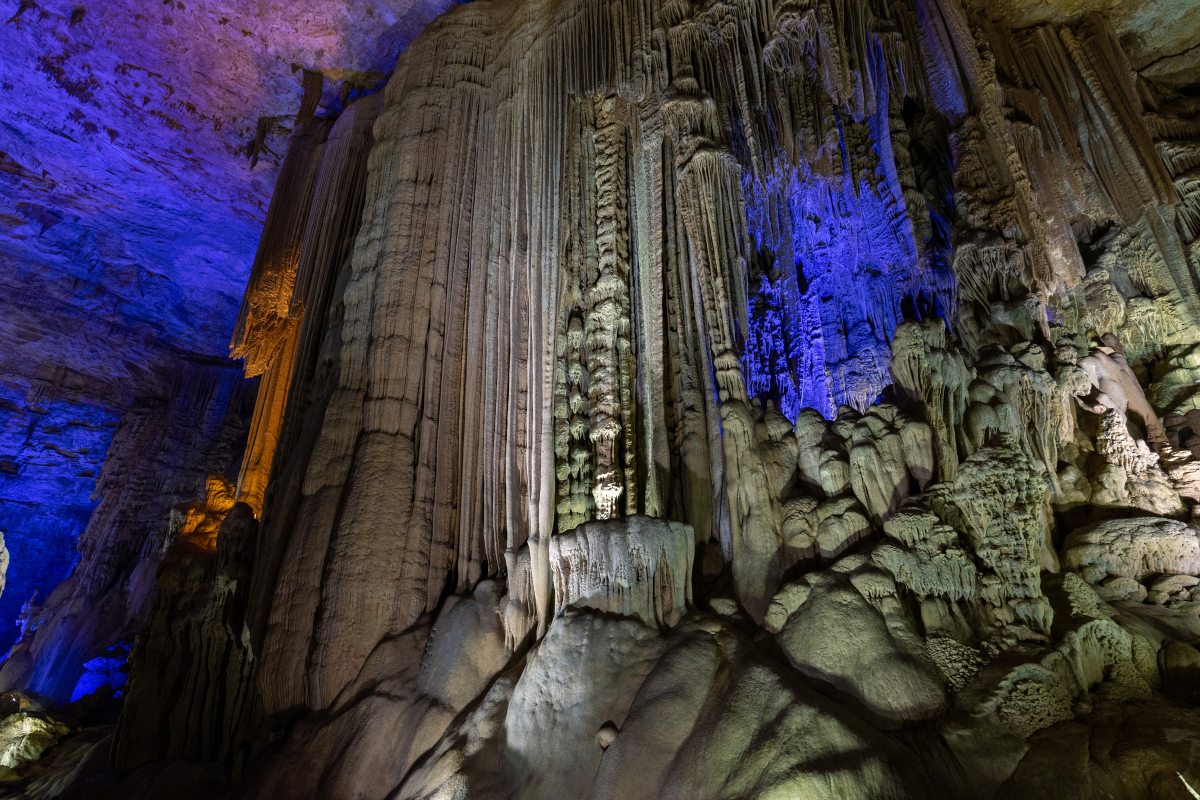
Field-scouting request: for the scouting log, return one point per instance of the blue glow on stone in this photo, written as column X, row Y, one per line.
column 50, row 454
column 837, row 268
column 109, row 669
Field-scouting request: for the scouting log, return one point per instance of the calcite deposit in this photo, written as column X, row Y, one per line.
column 674, row 398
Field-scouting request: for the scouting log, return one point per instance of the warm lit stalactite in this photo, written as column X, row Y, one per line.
column 267, row 334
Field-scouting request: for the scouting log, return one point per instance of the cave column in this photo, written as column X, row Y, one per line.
column 714, row 217
column 607, row 326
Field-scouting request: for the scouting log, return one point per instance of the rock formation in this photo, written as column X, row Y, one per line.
column 664, row 398
column 162, row 474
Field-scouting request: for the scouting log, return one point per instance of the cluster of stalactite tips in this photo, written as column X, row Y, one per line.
column 684, row 399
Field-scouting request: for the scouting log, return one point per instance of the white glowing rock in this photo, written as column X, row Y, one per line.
column 633, row 566
column 24, row 737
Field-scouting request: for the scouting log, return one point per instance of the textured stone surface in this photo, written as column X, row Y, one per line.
column 155, row 482
column 1133, row 548
column 1160, row 35
column 633, row 567
column 869, row 328
column 699, row 713
column 129, row 213
column 412, row 688
column 191, row 664
column 863, row 644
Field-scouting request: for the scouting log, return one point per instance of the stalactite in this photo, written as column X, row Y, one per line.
column 268, row 418
column 636, row 566
column 267, row 335
column 333, row 224
column 607, row 326
column 265, row 306
column 607, row 247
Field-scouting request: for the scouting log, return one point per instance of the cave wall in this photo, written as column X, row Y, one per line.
column 54, row 449
column 163, row 455
column 802, row 277
column 650, row 386
column 726, row 211
column 139, row 155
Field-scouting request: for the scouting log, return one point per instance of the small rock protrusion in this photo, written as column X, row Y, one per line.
column 724, row 606
column 606, row 735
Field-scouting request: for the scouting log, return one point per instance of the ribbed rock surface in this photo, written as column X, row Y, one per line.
column 633, row 567
column 665, row 399
column 162, row 456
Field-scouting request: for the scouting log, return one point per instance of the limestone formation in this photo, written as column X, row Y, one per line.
column 162, row 457
column 979, row 540
column 655, row 399
column 877, row 660
column 634, row 567
column 934, row 379
column 1133, row 548
column 703, row 684
column 192, row 665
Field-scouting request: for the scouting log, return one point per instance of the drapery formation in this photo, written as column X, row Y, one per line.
column 610, row 250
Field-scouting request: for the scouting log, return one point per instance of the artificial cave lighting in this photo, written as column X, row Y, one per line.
column 600, row 399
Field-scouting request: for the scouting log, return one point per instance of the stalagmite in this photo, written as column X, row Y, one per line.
column 934, row 380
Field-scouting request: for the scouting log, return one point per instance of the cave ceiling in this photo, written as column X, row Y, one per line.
column 130, row 210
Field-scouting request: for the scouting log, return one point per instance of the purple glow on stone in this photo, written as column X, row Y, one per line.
column 109, row 669
column 838, row 268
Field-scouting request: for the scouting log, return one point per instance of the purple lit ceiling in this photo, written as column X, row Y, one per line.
column 129, row 214
column 125, row 129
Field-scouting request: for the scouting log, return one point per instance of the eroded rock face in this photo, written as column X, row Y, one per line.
column 158, row 480
column 1133, row 548
column 702, row 683
column 634, row 567
column 853, row 634
column 867, row 328
column 413, row 686
column 192, row 663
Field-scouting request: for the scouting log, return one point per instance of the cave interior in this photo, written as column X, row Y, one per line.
column 606, row 399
